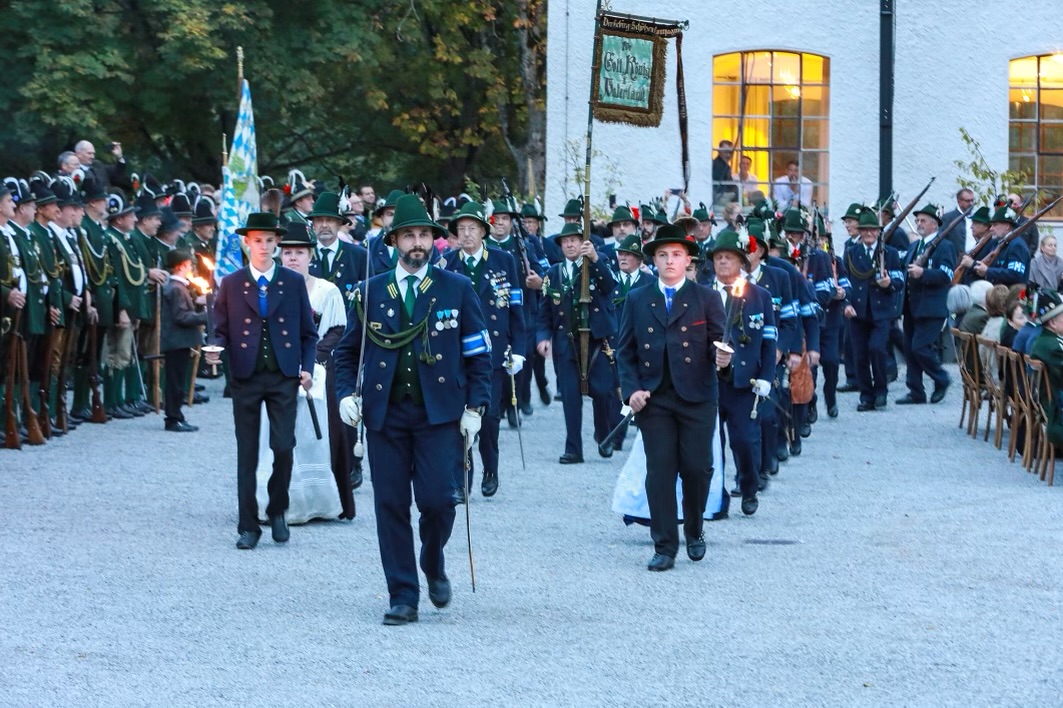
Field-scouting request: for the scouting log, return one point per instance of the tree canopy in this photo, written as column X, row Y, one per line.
column 380, row 90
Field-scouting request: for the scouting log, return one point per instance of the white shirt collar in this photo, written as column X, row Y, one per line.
column 677, row 287
column 333, row 247
column 631, row 277
column 476, row 257
column 754, row 275
column 256, row 274
column 401, row 273
column 926, row 239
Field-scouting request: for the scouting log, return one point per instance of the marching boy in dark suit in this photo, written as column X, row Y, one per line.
column 262, row 316
column 182, row 330
column 668, row 377
column 425, row 384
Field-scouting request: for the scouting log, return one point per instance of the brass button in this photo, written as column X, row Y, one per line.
column 439, row 357
column 434, row 333
column 383, row 365
column 379, row 387
column 442, row 380
column 596, row 309
column 387, row 341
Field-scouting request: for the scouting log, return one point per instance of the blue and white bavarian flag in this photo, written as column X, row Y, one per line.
column 239, row 195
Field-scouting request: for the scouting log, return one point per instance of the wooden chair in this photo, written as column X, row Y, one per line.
column 1036, row 435
column 1017, row 400
column 994, row 388
column 971, row 370
column 1047, row 467
column 961, row 363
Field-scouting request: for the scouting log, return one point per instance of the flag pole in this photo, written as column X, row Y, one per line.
column 224, row 150
column 585, row 272
column 239, row 73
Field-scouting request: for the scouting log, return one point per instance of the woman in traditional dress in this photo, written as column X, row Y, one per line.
column 321, row 483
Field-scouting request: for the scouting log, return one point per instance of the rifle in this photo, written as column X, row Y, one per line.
column 885, row 234
column 43, row 415
column 34, row 435
column 961, row 269
column 11, row 438
column 923, row 258
column 1017, row 231
column 518, row 232
column 69, row 344
column 99, row 415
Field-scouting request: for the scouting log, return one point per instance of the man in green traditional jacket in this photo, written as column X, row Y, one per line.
column 122, row 384
column 1048, row 348
column 148, row 220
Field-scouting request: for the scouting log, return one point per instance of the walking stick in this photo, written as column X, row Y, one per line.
column 72, row 333
column 43, row 416
column 195, row 370
column 34, row 435
column 11, row 438
column 156, row 362
column 468, row 503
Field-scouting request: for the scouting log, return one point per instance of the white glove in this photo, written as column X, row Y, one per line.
column 761, row 388
column 351, row 410
column 470, row 425
column 515, row 364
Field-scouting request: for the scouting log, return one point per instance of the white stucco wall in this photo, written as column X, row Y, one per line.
column 951, row 71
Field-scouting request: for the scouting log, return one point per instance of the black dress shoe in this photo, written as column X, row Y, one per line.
column 247, row 540
column 795, row 447
column 570, row 459
column 511, row 417
column 832, row 411
column 400, row 614
column 865, row 406
column 737, row 491
column 356, row 475
column 806, row 430
column 782, row 453
column 145, row 407
column 181, row 427
column 544, row 395
column 81, row 414
column 459, row 496
column 661, row 562
column 490, row 484
column 526, row 410
column 618, row 444
column 279, row 526
column 557, row 396
column 439, row 591
column 200, row 398
column 605, row 451
column 939, row 393
column 772, row 465
column 813, row 415
column 880, row 403
column 762, row 481
column 848, row 388
column 696, row 548
column 134, row 409
column 750, row 505
column 200, row 387
column 910, row 400
column 118, row 413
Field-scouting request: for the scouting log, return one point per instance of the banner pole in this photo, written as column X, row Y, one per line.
column 585, row 271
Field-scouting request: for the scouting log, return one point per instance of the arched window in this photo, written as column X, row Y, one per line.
column 775, row 108
column 1035, row 129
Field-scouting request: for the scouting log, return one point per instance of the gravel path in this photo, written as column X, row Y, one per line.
column 924, row 569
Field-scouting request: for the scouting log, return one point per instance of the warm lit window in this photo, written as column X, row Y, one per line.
column 1035, row 131
column 775, row 108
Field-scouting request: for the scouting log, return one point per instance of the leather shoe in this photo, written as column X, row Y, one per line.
column 200, row 398
column 832, row 411
column 847, row 388
column 439, row 591
column 459, row 496
column 605, row 451
column 81, row 414
column 490, row 483
column 880, row 403
column 866, row 406
column 696, row 548
column 131, row 410
column 806, row 430
column 247, row 540
column 762, row 481
column 737, row 491
column 782, row 453
column 910, row 400
column 795, row 447
column 400, row 614
column 279, row 525
column 939, row 393
column 119, row 413
column 570, row 459
column 544, row 395
column 145, row 407
column 511, row 417
column 661, row 562
column 526, row 410
column 750, row 505
column 773, row 465
column 200, row 387
column 356, row 475
column 813, row 415
column 181, row 427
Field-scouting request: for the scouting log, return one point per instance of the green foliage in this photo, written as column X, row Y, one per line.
column 979, row 177
column 382, row 90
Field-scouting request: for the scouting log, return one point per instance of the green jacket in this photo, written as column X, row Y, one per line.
column 132, row 275
column 103, row 282
column 1048, row 348
column 35, row 314
column 58, row 296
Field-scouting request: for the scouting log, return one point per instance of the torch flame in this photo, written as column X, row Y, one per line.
column 200, row 284
column 738, row 287
column 209, row 264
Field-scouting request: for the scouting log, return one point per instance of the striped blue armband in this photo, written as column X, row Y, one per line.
column 771, row 332
column 1017, row 266
column 516, row 297
column 896, row 275
column 479, row 343
column 946, row 270
column 845, row 283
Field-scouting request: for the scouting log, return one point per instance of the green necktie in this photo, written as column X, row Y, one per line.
column 411, row 294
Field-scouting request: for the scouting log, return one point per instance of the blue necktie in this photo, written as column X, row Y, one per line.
column 263, row 304
column 669, row 293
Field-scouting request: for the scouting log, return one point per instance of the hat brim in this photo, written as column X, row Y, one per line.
column 556, row 238
column 389, row 236
column 651, row 247
column 244, row 231
column 935, row 217
column 127, row 210
column 300, row 194
column 295, row 244
column 1051, row 314
column 727, row 249
column 204, row 220
column 326, row 215
column 452, row 225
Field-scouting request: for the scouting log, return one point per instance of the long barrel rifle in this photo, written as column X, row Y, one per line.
column 886, row 233
column 1018, row 231
column 961, row 270
column 923, row 258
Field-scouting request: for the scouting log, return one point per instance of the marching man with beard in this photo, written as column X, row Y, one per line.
column 425, row 382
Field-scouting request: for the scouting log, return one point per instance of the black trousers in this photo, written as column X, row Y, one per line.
column 677, row 437
column 176, row 361
column 280, row 394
